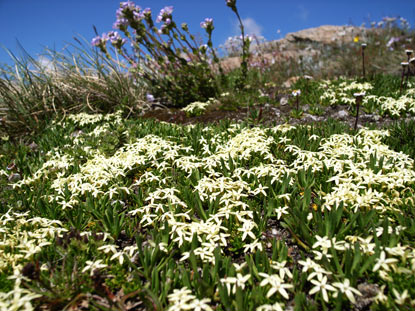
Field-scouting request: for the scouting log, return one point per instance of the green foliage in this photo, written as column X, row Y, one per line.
column 108, row 239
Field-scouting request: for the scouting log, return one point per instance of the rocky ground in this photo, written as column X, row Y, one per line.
column 272, row 115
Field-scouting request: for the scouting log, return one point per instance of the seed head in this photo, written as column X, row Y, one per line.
column 359, row 95
column 231, row 3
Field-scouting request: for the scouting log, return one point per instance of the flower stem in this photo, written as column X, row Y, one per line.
column 244, row 63
column 358, row 100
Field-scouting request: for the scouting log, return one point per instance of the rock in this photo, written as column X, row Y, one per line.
column 76, row 133
column 341, row 115
column 284, row 101
column 368, row 291
column 310, row 117
column 11, row 166
column 287, row 84
column 292, row 46
column 325, row 34
column 377, row 118
column 14, row 177
column 33, row 146
column 277, row 112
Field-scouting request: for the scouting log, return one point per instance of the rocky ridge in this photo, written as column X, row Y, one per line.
column 305, row 44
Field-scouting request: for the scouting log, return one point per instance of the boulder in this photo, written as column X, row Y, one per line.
column 325, row 34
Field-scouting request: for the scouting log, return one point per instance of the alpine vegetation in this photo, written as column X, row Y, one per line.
column 203, row 187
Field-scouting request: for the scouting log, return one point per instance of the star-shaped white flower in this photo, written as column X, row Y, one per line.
column 346, row 289
column 322, row 286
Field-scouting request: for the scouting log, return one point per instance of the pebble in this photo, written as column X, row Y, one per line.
column 284, row 101
column 33, row 146
column 14, row 177
column 342, row 114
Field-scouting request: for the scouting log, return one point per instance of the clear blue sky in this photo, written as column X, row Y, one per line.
column 52, row 23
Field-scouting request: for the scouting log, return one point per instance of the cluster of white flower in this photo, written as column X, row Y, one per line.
column 343, row 94
column 83, row 119
column 17, row 299
column 21, row 238
column 182, row 299
column 196, row 108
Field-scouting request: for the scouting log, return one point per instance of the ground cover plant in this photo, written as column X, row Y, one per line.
column 105, row 207
column 161, row 216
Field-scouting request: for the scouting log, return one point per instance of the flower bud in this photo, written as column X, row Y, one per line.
column 231, row 3
column 185, row 27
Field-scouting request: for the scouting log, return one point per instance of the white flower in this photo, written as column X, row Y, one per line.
column 323, row 242
column 381, row 297
column 93, row 265
column 281, row 210
column 346, row 289
column 119, row 256
column 321, row 286
column 246, row 229
column 276, row 283
column 308, row 264
column 108, row 248
column 400, row 298
column 238, row 281
column 199, row 305
column 253, row 246
column 383, row 263
column 275, row 307
column 181, row 296
column 281, row 268
column 238, row 268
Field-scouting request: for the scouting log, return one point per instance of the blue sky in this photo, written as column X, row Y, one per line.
column 54, row 23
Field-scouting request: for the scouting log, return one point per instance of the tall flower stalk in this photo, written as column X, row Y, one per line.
column 359, row 99
column 245, row 45
column 404, row 65
column 363, row 59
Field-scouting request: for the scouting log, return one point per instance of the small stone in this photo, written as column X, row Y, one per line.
column 311, row 117
column 342, row 114
column 284, row 101
column 377, row 117
column 289, row 83
column 14, row 177
column 274, row 231
column 33, row 146
column 11, row 166
column 76, row 133
column 368, row 291
column 276, row 112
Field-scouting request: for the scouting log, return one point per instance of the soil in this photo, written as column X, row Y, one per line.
column 271, row 115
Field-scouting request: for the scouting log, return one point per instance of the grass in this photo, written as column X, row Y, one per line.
column 103, row 210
